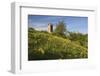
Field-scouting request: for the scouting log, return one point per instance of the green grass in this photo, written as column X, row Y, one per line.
column 46, row 46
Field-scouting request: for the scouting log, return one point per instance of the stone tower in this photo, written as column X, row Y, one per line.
column 50, row 28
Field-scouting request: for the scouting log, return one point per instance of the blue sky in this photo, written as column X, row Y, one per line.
column 73, row 23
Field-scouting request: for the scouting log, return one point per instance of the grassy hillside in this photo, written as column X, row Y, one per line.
column 43, row 46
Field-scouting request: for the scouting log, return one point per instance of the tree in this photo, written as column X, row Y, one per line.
column 79, row 38
column 61, row 28
column 30, row 29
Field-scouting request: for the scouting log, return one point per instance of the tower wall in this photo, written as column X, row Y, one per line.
column 50, row 28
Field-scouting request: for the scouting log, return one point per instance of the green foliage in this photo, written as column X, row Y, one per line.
column 43, row 46
column 61, row 28
column 81, row 39
column 59, row 35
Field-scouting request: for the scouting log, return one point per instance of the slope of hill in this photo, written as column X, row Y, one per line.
column 43, row 46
